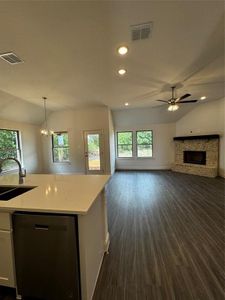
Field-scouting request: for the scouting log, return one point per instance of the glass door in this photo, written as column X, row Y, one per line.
column 94, row 152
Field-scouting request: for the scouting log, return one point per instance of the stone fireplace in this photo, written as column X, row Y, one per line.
column 198, row 155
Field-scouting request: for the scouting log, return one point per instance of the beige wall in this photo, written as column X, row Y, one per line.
column 31, row 144
column 163, row 146
column 207, row 118
column 76, row 122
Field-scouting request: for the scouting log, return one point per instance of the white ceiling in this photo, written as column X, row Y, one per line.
column 69, row 49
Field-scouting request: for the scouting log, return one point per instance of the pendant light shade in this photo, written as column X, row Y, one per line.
column 45, row 131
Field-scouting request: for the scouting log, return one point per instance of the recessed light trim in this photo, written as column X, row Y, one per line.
column 203, row 98
column 122, row 50
column 122, row 72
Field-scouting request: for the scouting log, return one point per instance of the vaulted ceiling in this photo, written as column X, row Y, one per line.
column 69, row 53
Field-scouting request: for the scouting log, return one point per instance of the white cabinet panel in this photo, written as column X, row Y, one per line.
column 5, row 221
column 6, row 259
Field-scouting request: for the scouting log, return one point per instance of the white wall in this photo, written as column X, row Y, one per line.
column 206, row 118
column 112, row 144
column 31, row 144
column 163, row 146
column 75, row 122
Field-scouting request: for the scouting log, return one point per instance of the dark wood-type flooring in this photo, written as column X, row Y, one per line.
column 167, row 238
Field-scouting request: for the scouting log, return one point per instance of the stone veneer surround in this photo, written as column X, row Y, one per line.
column 210, row 145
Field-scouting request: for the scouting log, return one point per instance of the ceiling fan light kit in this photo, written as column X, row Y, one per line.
column 174, row 101
column 173, row 107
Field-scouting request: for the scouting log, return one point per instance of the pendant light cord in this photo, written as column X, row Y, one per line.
column 44, row 98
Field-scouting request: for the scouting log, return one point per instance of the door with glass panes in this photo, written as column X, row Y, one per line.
column 94, row 152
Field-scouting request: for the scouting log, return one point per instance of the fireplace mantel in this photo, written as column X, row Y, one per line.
column 197, row 137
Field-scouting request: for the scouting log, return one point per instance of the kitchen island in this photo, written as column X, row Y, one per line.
column 80, row 195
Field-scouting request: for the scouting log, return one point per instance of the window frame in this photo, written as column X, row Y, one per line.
column 117, row 144
column 18, row 149
column 53, row 147
column 136, row 143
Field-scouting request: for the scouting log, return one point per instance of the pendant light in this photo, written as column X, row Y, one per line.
column 45, row 131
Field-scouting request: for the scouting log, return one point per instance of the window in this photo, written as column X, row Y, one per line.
column 144, row 143
column 9, row 147
column 125, row 144
column 60, row 147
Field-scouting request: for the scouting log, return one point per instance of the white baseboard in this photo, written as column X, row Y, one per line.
column 113, row 171
column 222, row 173
column 107, row 242
column 143, row 169
column 96, row 279
column 106, row 251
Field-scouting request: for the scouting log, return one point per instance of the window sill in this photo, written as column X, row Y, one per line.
column 135, row 157
column 146, row 157
column 62, row 162
column 126, row 157
column 10, row 171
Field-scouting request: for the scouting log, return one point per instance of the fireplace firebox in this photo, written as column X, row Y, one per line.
column 195, row 157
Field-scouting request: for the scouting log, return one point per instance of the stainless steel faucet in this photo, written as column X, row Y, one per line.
column 22, row 172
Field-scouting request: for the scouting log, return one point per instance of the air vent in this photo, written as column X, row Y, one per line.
column 141, row 31
column 11, row 58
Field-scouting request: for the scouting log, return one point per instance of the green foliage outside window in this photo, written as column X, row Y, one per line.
column 94, row 162
column 93, row 143
column 144, row 143
column 60, row 147
column 9, row 147
column 125, row 144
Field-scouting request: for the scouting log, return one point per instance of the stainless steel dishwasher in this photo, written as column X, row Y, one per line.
column 46, row 256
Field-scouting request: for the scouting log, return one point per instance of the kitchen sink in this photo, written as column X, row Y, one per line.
column 7, row 193
column 4, row 189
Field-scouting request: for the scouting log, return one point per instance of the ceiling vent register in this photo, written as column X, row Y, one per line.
column 141, row 31
column 11, row 58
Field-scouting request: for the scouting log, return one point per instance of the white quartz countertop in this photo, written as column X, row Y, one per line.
column 70, row 194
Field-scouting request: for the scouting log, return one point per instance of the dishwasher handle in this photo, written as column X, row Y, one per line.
column 41, row 227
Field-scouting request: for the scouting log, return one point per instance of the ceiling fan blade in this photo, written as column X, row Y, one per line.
column 182, row 97
column 162, row 101
column 187, row 101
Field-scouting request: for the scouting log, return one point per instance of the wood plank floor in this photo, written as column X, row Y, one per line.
column 167, row 238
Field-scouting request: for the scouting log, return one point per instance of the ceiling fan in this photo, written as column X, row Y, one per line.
column 174, row 101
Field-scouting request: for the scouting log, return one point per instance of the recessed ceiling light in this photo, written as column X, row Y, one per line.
column 122, row 50
column 203, row 98
column 126, row 104
column 122, row 72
